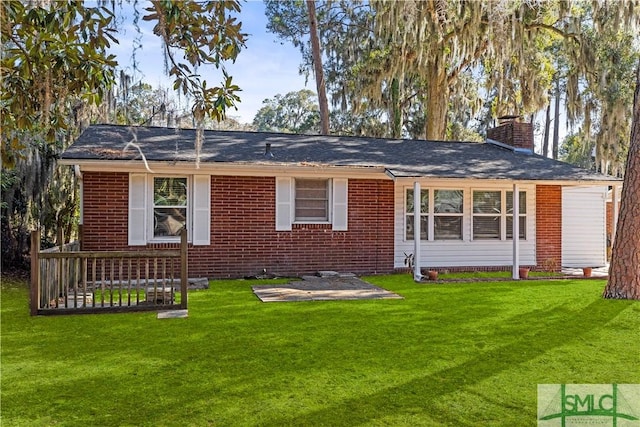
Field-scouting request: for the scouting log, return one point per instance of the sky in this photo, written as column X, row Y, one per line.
column 266, row 67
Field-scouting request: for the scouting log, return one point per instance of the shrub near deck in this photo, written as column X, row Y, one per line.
column 463, row 354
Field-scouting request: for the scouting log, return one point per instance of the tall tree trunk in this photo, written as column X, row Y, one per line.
column 624, row 272
column 317, row 66
column 436, row 105
column 556, row 123
column 396, row 110
column 547, row 131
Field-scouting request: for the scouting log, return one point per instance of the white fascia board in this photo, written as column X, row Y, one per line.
column 563, row 183
column 229, row 169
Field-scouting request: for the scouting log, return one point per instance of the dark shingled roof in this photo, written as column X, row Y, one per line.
column 401, row 158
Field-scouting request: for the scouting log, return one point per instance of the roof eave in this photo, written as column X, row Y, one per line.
column 226, row 168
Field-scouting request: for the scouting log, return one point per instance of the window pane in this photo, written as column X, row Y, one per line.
column 424, row 230
column 170, row 191
column 424, row 201
column 169, row 221
column 522, row 205
column 312, row 200
column 486, row 227
column 448, row 201
column 487, row 202
column 522, row 231
column 447, row 228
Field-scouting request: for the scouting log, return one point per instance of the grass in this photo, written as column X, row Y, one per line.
column 463, row 354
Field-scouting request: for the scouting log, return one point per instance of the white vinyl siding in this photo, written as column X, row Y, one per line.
column 584, row 235
column 465, row 251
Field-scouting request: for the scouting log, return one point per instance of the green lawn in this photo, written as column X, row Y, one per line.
column 462, row 354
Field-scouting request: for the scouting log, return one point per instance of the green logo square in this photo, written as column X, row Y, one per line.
column 565, row 405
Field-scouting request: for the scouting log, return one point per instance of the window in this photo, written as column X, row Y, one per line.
column 312, row 200
column 410, row 215
column 446, row 210
column 522, row 215
column 447, row 214
column 487, row 210
column 493, row 215
column 170, row 196
column 161, row 206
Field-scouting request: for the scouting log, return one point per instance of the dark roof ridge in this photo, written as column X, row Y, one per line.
column 290, row 134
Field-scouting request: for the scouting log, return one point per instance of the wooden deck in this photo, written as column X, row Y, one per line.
column 66, row 281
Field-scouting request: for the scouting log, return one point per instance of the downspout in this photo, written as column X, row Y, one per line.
column 417, row 275
column 515, row 274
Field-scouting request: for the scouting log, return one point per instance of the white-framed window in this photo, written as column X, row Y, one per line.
column 410, row 214
column 170, row 205
column 160, row 206
column 441, row 214
column 493, row 215
column 448, row 210
column 312, row 200
column 522, row 215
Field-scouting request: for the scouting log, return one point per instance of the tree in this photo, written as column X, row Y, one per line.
column 574, row 150
column 56, row 73
column 53, row 60
column 295, row 112
column 624, row 272
column 317, row 66
column 600, row 82
column 342, row 26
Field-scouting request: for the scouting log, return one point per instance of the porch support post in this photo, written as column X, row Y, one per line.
column 35, row 272
column 417, row 275
column 516, row 232
column 615, row 193
column 184, row 271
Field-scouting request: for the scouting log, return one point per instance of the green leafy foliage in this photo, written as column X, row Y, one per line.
column 295, row 112
column 53, row 58
column 205, row 35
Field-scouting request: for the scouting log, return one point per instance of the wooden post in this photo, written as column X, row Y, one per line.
column 35, row 272
column 184, row 280
column 81, row 237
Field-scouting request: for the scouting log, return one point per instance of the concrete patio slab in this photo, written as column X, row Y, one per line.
column 329, row 287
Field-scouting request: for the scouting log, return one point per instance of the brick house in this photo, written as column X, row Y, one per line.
column 296, row 204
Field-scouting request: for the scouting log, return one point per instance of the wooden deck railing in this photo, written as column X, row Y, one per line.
column 65, row 281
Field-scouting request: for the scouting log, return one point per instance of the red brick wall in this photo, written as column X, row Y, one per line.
column 106, row 211
column 549, row 227
column 243, row 236
column 516, row 134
